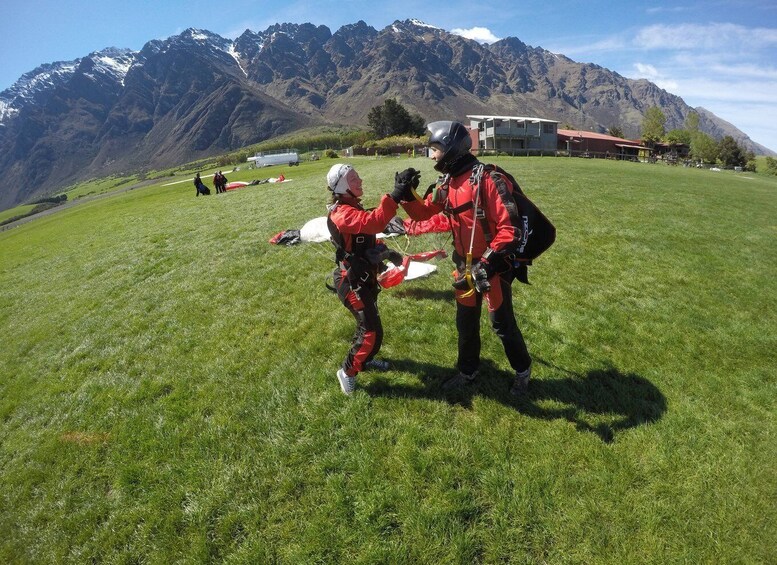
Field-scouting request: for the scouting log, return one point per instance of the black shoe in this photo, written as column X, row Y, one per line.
column 459, row 381
column 521, row 382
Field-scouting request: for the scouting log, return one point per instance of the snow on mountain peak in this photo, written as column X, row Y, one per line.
column 198, row 35
column 44, row 77
column 236, row 56
column 117, row 65
column 204, row 36
column 413, row 25
column 419, row 23
column 6, row 111
column 113, row 62
column 109, row 62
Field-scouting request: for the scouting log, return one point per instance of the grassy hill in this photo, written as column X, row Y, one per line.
column 168, row 390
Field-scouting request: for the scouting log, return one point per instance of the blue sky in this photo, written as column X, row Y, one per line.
column 721, row 55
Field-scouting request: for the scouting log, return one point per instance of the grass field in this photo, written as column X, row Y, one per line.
column 16, row 211
column 99, row 186
column 168, row 390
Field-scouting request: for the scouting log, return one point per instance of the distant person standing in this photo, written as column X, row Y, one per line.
column 222, row 187
column 200, row 186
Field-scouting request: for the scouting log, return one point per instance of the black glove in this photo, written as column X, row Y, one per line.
column 481, row 272
column 395, row 257
column 479, row 281
column 460, row 283
column 376, row 255
column 404, row 183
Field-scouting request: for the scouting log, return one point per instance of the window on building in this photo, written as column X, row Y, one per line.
column 548, row 128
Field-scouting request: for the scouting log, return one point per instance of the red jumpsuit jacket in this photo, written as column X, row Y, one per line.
column 458, row 205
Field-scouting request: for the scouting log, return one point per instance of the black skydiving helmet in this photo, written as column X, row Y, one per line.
column 453, row 140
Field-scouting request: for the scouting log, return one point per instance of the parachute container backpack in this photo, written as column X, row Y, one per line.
column 537, row 231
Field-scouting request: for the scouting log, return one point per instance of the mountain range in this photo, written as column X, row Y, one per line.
column 197, row 94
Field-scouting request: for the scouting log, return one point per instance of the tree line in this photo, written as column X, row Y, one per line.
column 392, row 119
column 703, row 147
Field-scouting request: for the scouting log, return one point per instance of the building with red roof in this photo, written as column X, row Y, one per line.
column 591, row 144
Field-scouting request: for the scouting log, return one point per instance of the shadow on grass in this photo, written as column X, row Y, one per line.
column 601, row 401
column 426, row 294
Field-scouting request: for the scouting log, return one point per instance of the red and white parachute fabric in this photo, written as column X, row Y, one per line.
column 236, row 184
column 394, row 275
column 412, row 267
column 427, row 255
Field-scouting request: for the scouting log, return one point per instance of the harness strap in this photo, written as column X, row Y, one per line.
column 477, row 175
column 480, row 213
column 459, row 209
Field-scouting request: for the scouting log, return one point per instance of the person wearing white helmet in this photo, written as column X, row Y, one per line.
column 359, row 258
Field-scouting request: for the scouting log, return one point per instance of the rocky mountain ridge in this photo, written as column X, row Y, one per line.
column 198, row 94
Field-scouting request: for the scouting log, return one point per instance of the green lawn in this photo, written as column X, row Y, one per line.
column 99, row 186
column 17, row 211
column 168, row 389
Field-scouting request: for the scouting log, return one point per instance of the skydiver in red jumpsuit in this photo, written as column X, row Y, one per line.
column 359, row 258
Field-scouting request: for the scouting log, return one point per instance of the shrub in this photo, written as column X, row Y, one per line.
column 51, row 199
column 771, row 166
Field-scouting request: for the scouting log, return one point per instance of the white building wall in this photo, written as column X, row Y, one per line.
column 515, row 133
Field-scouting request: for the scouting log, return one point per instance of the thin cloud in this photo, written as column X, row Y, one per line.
column 711, row 88
column 716, row 64
column 744, row 71
column 651, row 73
column 713, row 36
column 668, row 10
column 707, row 75
column 756, row 120
column 646, row 71
column 581, row 46
column 479, row 34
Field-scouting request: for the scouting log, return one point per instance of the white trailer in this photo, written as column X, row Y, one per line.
column 267, row 158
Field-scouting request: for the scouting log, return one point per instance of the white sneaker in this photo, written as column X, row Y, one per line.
column 347, row 384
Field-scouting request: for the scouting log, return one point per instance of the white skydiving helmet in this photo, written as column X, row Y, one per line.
column 336, row 180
